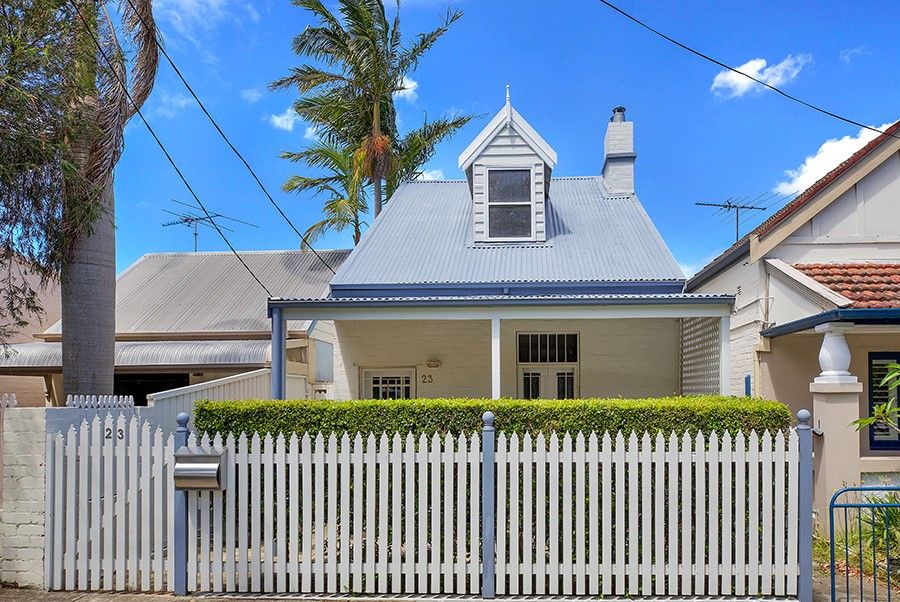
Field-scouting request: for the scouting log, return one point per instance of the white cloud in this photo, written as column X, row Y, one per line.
column 171, row 105
column 729, row 84
column 251, row 95
column 431, row 174
column 193, row 19
column 408, row 93
column 829, row 155
column 285, row 121
column 847, row 54
column 311, row 133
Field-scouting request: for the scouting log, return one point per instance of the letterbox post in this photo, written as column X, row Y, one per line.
column 180, row 508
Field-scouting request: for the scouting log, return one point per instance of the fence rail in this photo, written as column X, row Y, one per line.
column 596, row 514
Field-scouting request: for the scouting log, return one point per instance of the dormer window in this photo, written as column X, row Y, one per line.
column 510, row 205
column 508, row 167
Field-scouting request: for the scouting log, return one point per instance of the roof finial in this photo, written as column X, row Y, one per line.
column 507, row 93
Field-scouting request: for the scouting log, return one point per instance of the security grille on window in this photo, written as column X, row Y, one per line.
column 509, row 203
column 548, row 365
column 881, row 436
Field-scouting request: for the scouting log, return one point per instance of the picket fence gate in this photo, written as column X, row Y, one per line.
column 648, row 515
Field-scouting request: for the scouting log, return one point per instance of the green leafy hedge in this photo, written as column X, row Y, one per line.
column 703, row 413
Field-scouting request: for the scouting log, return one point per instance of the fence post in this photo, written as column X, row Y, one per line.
column 180, row 510
column 805, row 473
column 488, row 493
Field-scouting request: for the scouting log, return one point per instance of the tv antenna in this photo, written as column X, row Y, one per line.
column 197, row 217
column 731, row 205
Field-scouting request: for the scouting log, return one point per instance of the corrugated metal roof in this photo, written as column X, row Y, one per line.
column 47, row 355
column 424, row 236
column 211, row 292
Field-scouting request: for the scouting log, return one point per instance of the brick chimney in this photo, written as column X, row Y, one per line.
column 618, row 148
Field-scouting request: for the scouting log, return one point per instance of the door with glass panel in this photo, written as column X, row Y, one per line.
column 547, row 365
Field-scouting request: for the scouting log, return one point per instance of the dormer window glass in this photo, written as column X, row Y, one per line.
column 509, row 200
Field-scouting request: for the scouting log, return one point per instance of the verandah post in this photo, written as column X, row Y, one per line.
column 804, row 532
column 278, row 353
column 180, row 510
column 488, row 493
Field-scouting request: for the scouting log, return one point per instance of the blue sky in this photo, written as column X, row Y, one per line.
column 698, row 138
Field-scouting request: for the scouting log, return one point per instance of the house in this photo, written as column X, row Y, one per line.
column 512, row 282
column 817, row 290
column 30, row 390
column 187, row 318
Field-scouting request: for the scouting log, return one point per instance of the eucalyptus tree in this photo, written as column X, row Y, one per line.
column 94, row 85
column 357, row 63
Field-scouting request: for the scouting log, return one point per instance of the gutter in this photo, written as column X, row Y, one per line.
column 889, row 315
column 499, row 301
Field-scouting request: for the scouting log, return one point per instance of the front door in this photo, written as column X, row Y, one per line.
column 548, row 382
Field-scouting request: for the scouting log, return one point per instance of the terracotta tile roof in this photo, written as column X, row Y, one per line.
column 866, row 284
column 803, row 198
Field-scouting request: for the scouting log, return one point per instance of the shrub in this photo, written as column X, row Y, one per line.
column 679, row 414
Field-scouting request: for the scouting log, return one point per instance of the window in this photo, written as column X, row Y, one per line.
column 389, row 383
column 880, row 436
column 548, row 365
column 509, row 203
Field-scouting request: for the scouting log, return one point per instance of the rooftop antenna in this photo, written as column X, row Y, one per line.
column 197, row 217
column 731, row 205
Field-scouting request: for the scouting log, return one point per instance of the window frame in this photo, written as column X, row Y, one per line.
column 366, row 373
column 487, row 204
column 548, row 368
column 879, row 355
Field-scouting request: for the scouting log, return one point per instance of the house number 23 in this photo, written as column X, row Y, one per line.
column 427, row 379
column 120, row 433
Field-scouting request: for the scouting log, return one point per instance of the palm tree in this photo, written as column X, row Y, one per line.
column 88, row 279
column 350, row 97
column 343, row 184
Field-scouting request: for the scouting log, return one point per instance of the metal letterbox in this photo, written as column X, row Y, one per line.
column 198, row 469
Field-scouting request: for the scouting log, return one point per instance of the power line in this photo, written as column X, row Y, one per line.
column 162, row 147
column 736, row 207
column 730, row 68
column 228, row 141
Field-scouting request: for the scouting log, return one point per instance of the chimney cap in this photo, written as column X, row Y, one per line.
column 618, row 114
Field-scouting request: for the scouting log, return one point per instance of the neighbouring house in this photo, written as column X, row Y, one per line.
column 828, row 263
column 512, row 282
column 31, row 390
column 188, row 318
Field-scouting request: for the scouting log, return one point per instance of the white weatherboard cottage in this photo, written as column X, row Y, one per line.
column 512, row 283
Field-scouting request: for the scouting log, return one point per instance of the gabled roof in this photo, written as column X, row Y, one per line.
column 210, row 294
column 423, row 240
column 507, row 116
column 742, row 246
column 872, row 285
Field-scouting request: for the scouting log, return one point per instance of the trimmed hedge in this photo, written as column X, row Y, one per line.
column 703, row 413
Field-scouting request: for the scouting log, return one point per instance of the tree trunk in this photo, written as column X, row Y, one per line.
column 88, row 289
column 376, row 135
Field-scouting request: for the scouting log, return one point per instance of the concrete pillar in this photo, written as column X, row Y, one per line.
column 835, row 405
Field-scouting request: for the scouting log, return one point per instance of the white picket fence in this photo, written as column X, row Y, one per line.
column 109, row 507
column 100, row 402
column 599, row 515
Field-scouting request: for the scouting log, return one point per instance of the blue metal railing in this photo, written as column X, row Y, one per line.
column 873, row 511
